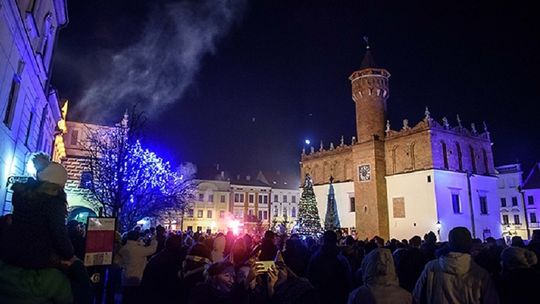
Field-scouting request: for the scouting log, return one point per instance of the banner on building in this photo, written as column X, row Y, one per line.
column 100, row 233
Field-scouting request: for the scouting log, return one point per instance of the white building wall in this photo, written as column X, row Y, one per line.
column 428, row 199
column 448, row 183
column 419, row 200
column 343, row 192
column 284, row 202
column 508, row 192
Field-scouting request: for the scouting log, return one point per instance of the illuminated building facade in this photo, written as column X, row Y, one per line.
column 531, row 193
column 210, row 208
column 397, row 183
column 511, row 200
column 29, row 106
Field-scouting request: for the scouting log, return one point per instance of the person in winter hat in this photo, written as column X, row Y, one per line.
column 518, row 277
column 381, row 283
column 197, row 259
column 38, row 239
column 454, row 277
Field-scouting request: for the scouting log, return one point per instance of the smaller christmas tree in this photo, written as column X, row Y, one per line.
column 331, row 220
column 309, row 223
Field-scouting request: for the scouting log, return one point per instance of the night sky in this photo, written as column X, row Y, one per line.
column 243, row 84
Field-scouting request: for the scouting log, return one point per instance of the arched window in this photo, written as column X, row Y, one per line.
column 411, row 154
column 486, row 164
column 459, row 156
column 394, row 158
column 445, row 155
column 473, row 159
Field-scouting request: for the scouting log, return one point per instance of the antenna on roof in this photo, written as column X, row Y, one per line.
column 366, row 39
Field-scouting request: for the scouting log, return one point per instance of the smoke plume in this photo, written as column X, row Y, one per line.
column 156, row 70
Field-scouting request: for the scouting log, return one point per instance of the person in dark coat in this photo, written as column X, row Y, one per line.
column 296, row 256
column 329, row 271
column 218, row 286
column 285, row 287
column 534, row 245
column 268, row 248
column 37, row 238
column 160, row 282
column 409, row 264
column 518, row 279
column 76, row 235
column 193, row 267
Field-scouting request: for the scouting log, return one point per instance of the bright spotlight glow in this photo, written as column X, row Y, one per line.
column 307, row 141
column 235, row 226
column 30, row 168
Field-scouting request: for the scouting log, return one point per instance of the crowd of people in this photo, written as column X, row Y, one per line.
column 40, row 262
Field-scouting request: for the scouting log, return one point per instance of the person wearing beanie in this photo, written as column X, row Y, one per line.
column 38, row 238
column 197, row 259
column 518, row 277
column 381, row 283
column 454, row 277
column 218, row 286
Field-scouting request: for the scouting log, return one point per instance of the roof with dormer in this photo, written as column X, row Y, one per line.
column 533, row 180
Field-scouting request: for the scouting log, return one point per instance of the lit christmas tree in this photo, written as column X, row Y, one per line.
column 309, row 223
column 331, row 220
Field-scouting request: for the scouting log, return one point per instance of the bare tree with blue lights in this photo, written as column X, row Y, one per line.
column 130, row 182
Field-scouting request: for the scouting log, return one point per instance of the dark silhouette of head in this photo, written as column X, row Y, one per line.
column 329, row 237
column 460, row 240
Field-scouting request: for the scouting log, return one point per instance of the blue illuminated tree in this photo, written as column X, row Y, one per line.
column 331, row 220
column 128, row 181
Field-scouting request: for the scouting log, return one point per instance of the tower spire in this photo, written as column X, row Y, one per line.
column 368, row 61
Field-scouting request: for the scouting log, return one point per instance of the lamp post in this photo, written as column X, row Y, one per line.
column 473, row 228
column 524, row 211
column 439, row 229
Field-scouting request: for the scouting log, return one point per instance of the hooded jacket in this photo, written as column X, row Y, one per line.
column 38, row 237
column 454, row 278
column 132, row 258
column 381, row 283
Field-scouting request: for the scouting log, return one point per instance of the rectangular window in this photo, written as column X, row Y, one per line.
column 275, row 211
column 260, row 214
column 293, row 199
column 251, row 199
column 236, row 198
column 505, row 219
column 429, row 178
column 12, row 100
column 284, row 198
column 210, row 198
column 265, row 199
column 483, row 205
column 456, row 204
column 284, row 212
column 250, row 212
column 221, row 214
column 199, row 229
column 514, row 201
column 201, row 197
column 399, row 207
column 503, row 201
column 260, row 199
column 74, row 137
column 265, row 215
column 532, row 216
column 352, row 204
column 222, row 199
column 516, row 219
column 275, row 197
column 293, row 212
column 29, row 128
column 86, row 180
column 209, row 214
column 530, row 200
column 199, row 213
column 190, row 212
